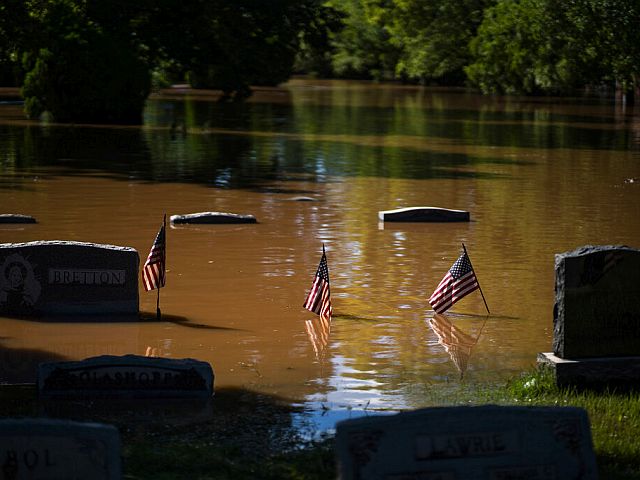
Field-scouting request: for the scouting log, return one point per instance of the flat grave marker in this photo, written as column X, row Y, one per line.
column 468, row 443
column 126, row 376
column 55, row 449
column 212, row 218
column 423, row 214
column 64, row 277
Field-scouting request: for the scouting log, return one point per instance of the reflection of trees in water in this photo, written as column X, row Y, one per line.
column 456, row 343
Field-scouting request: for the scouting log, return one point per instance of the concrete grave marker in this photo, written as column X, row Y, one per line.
column 596, row 337
column 423, row 214
column 127, row 376
column 212, row 217
column 468, row 443
column 61, row 277
column 55, row 449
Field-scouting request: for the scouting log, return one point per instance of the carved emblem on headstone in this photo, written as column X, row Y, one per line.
column 19, row 288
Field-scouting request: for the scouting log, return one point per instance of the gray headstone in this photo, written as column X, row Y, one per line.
column 423, row 214
column 127, row 376
column 60, row 277
column 55, row 449
column 468, row 443
column 16, row 218
column 597, row 312
column 212, row 217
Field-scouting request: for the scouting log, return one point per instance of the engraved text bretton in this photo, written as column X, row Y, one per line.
column 68, row 276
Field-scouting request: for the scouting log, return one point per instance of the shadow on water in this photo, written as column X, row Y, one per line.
column 141, row 317
column 19, row 365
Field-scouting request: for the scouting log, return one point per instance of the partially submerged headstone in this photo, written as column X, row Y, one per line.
column 423, row 214
column 54, row 449
column 303, row 199
column 470, row 443
column 64, row 277
column 596, row 337
column 16, row 218
column 212, row 218
column 127, row 376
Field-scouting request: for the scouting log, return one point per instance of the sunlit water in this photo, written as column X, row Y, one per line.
column 539, row 176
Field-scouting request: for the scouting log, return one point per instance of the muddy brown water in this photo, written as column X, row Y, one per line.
column 539, row 176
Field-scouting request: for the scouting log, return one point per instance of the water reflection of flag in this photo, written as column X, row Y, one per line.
column 319, row 299
column 455, row 342
column 459, row 281
column 318, row 331
column 153, row 272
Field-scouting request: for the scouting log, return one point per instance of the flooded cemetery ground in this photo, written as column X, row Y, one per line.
column 315, row 162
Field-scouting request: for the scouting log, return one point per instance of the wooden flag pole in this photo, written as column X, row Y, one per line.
column 164, row 266
column 474, row 272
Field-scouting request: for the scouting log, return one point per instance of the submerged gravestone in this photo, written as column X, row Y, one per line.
column 468, row 443
column 212, row 218
column 596, row 335
column 55, row 449
column 64, row 277
column 423, row 214
column 126, row 376
column 16, row 218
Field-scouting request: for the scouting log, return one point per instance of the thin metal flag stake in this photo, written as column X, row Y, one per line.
column 474, row 272
column 164, row 258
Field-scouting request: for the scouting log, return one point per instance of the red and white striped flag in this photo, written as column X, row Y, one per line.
column 459, row 281
column 153, row 272
column 319, row 299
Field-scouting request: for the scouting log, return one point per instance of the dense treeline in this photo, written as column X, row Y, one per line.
column 96, row 60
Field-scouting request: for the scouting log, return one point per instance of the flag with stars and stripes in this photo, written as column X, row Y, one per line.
column 459, row 281
column 319, row 299
column 153, row 272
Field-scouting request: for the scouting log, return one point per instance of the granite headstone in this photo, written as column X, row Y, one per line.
column 64, row 277
column 597, row 311
column 47, row 449
column 468, row 443
column 596, row 336
column 126, row 376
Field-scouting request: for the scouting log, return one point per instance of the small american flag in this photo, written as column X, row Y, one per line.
column 319, row 300
column 153, row 272
column 459, row 281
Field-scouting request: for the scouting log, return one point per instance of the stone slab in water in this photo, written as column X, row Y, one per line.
column 596, row 372
column 63, row 277
column 468, row 443
column 423, row 214
column 126, row 376
column 597, row 311
column 16, row 218
column 212, row 217
column 55, row 449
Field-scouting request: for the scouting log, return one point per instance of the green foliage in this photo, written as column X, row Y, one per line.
column 541, row 46
column 363, row 47
column 82, row 72
column 434, row 36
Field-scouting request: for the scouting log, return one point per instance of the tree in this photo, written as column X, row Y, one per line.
column 542, row 46
column 434, row 37
column 13, row 32
column 80, row 70
column 362, row 48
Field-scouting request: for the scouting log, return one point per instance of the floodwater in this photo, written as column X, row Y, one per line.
column 540, row 176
